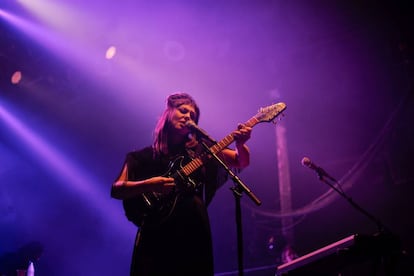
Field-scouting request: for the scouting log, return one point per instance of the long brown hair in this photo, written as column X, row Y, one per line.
column 160, row 144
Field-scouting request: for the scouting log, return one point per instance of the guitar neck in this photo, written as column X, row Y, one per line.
column 216, row 148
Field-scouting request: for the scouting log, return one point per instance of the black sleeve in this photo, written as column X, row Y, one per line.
column 135, row 207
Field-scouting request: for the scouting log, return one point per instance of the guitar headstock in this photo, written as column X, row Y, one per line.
column 269, row 113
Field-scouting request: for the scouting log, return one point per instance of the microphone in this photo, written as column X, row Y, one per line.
column 321, row 172
column 199, row 131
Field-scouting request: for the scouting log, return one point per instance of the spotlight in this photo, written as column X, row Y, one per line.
column 110, row 53
column 16, row 77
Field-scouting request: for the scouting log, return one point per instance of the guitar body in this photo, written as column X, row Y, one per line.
column 154, row 207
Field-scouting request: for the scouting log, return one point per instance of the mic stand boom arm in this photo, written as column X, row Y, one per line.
column 391, row 245
column 238, row 189
column 240, row 186
column 380, row 225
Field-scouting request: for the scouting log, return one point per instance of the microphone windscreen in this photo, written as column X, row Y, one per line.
column 306, row 161
column 190, row 124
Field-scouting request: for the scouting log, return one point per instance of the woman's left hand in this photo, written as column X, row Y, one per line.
column 242, row 134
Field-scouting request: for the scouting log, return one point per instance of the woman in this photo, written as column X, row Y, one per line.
column 170, row 208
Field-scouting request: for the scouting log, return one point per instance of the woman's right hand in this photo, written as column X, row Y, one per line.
column 160, row 184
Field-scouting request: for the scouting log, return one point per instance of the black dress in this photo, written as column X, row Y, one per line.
column 180, row 243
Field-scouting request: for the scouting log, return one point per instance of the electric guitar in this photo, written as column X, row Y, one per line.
column 160, row 206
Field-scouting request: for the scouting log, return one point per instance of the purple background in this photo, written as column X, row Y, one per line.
column 344, row 69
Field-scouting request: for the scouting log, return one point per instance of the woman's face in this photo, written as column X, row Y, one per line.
column 180, row 116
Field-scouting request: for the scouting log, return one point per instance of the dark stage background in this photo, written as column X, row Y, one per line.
column 94, row 76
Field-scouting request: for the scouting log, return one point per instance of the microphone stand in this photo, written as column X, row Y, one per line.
column 387, row 239
column 237, row 189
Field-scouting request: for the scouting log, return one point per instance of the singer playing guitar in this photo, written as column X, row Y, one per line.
column 165, row 189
